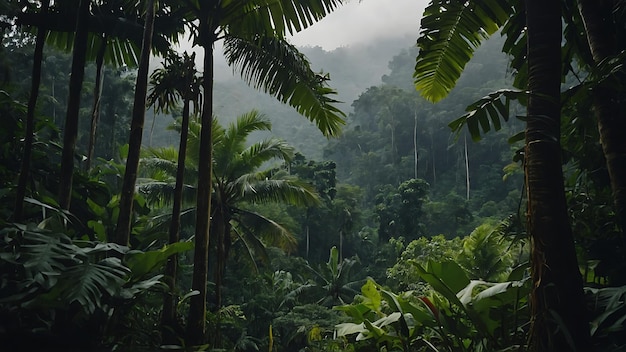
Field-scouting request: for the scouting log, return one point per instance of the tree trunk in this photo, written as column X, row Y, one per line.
column 415, row 152
column 196, row 328
column 30, row 118
column 124, row 221
column 221, row 230
column 610, row 117
column 169, row 321
column 97, row 95
column 467, row 175
column 558, row 321
column 70, row 133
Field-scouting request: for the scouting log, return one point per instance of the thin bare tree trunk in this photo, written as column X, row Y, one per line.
column 124, row 221
column 415, row 152
column 467, row 175
column 196, row 327
column 97, row 95
column 70, row 131
column 169, row 321
column 30, row 119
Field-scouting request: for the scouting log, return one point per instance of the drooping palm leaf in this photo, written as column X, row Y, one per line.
column 279, row 16
column 120, row 23
column 290, row 191
column 252, row 226
column 487, row 112
column 278, row 68
column 450, row 32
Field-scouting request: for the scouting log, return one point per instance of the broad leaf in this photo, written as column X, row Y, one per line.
column 450, row 33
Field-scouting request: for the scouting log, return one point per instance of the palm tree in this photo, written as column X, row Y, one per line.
column 122, row 230
column 85, row 30
column 450, row 33
column 254, row 41
column 70, row 131
column 238, row 184
column 557, row 282
column 176, row 80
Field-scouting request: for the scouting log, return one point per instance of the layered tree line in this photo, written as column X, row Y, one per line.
column 481, row 211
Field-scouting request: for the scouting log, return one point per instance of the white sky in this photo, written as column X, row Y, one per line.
column 358, row 22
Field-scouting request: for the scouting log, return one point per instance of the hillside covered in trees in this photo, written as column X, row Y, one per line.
column 295, row 199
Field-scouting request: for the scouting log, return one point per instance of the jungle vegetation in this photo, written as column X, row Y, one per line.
column 469, row 197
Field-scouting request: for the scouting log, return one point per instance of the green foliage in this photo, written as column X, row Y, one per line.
column 486, row 113
column 53, row 286
column 310, row 327
column 331, row 283
column 400, row 210
column 458, row 315
column 262, row 60
column 403, row 276
column 608, row 316
column 450, row 32
column 486, row 254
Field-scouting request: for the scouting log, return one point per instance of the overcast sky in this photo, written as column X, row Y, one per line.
column 359, row 22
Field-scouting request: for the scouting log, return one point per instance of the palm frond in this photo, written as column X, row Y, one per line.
column 229, row 144
column 487, row 111
column 121, row 26
column 253, row 247
column 255, row 156
column 269, row 231
column 156, row 192
column 289, row 191
column 246, row 123
column 177, row 80
column 279, row 16
column 157, row 165
column 450, row 33
column 279, row 69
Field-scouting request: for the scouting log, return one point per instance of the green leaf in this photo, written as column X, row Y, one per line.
column 372, row 295
column 142, row 263
column 450, row 33
column 487, row 112
column 273, row 65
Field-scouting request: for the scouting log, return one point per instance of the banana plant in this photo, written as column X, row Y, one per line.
column 331, row 283
column 459, row 314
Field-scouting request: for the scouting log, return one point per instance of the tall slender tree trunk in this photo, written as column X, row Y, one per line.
column 196, row 326
column 70, row 133
column 97, row 95
column 169, row 321
column 30, row 118
column 432, row 152
column 558, row 321
column 221, row 230
column 415, row 152
column 610, row 117
column 467, row 174
column 124, row 221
